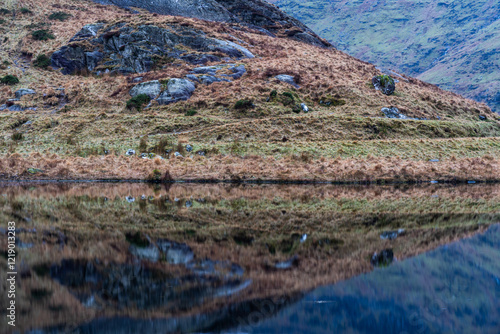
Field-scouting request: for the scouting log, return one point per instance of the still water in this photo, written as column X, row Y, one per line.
column 191, row 258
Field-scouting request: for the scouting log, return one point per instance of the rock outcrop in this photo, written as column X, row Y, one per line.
column 126, row 49
column 384, row 83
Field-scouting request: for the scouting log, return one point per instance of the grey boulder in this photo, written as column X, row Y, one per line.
column 177, row 90
column 384, row 83
column 393, row 112
column 150, row 88
column 287, row 79
column 24, row 91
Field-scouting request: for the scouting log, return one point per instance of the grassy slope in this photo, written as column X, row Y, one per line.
column 449, row 43
column 95, row 118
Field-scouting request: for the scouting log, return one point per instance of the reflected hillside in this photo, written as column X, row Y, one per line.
column 192, row 257
column 454, row 289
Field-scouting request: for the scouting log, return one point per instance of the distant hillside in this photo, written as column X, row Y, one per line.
column 453, row 44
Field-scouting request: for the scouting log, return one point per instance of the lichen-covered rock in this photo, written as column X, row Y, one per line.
column 136, row 49
column 150, row 88
column 177, row 90
column 384, row 83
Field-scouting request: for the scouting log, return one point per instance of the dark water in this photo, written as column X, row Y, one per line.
column 135, row 258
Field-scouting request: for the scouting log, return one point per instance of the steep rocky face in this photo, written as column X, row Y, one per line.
column 449, row 43
column 256, row 14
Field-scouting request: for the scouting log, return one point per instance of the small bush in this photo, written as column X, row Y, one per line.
column 244, row 104
column 297, row 108
column 9, row 80
column 4, row 11
column 38, row 25
column 17, row 136
column 61, row 16
column 143, row 144
column 6, row 62
column 42, row 61
column 273, row 94
column 191, row 112
column 42, row 35
column 287, row 99
column 2, row 21
column 25, row 10
column 138, row 102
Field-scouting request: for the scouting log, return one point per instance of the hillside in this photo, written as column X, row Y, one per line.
column 194, row 99
column 453, row 44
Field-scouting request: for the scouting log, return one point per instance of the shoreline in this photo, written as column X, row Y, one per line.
column 251, row 182
column 248, row 170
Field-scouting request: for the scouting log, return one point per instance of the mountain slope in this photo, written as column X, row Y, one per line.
column 453, row 44
column 234, row 101
column 253, row 13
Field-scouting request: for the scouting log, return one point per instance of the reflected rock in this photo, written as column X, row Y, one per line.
column 391, row 235
column 175, row 252
column 382, row 259
column 292, row 262
column 138, row 287
column 150, row 253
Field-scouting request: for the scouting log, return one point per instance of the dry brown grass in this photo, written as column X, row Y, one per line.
column 285, row 192
column 251, row 168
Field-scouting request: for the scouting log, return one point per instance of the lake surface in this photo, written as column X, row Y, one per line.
column 194, row 258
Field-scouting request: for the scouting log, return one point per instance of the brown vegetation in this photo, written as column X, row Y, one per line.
column 250, row 168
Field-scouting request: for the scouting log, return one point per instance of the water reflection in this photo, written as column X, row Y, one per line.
column 454, row 289
column 124, row 258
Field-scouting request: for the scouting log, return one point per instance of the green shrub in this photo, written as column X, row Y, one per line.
column 42, row 35
column 2, row 21
column 4, row 11
column 243, row 104
column 191, row 112
column 25, row 10
column 38, row 25
column 138, row 101
column 61, row 16
column 273, row 94
column 287, row 99
column 17, row 136
column 9, row 80
column 42, row 61
column 297, row 108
